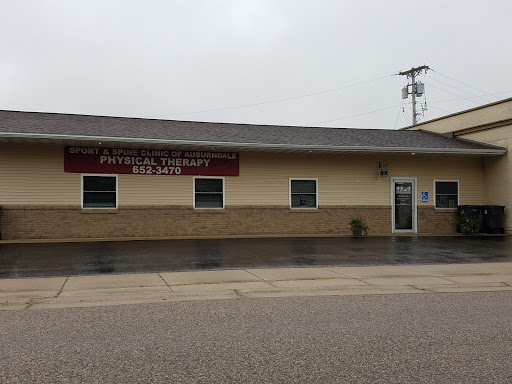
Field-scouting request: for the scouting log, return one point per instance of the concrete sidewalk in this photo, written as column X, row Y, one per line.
column 82, row 291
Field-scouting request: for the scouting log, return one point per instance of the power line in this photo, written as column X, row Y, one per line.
column 399, row 113
column 359, row 114
column 350, row 86
column 474, row 97
column 407, row 118
column 459, row 89
column 441, row 109
column 408, row 107
column 451, row 93
column 405, row 106
column 467, row 85
column 274, row 101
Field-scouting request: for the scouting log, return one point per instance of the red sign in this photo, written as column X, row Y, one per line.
column 149, row 161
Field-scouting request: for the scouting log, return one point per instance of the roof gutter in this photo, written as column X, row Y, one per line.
column 223, row 144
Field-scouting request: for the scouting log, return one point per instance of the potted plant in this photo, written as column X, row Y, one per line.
column 358, row 226
column 469, row 224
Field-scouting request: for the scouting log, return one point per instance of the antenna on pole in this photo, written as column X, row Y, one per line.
column 417, row 88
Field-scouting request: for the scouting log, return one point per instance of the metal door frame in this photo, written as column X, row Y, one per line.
column 414, row 182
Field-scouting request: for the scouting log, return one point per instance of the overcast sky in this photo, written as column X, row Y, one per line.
column 286, row 62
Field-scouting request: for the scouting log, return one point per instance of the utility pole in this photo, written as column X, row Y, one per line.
column 416, row 89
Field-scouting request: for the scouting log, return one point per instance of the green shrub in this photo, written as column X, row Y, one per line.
column 469, row 224
column 358, row 222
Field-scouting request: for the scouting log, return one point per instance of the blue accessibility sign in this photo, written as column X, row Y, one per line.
column 424, row 197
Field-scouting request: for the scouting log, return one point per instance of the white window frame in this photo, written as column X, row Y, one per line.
column 435, row 193
column 100, row 175
column 290, row 191
column 209, row 177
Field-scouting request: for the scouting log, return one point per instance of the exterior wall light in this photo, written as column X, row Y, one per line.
column 383, row 169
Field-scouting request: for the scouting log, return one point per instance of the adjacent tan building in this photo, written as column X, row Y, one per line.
column 491, row 124
column 233, row 180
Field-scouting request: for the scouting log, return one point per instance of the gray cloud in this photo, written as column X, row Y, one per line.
column 163, row 58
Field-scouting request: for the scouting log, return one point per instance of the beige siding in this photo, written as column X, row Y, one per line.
column 497, row 179
column 33, row 174
column 155, row 190
column 349, row 180
column 493, row 113
column 501, row 136
column 467, row 171
column 498, row 171
column 264, row 179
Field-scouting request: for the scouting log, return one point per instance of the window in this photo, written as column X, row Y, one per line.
column 99, row 191
column 208, row 193
column 447, row 194
column 303, row 193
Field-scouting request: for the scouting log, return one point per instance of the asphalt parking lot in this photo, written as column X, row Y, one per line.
column 89, row 258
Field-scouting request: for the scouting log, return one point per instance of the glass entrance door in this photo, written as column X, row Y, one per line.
column 404, row 205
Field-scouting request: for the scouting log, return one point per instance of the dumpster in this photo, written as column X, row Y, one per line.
column 493, row 218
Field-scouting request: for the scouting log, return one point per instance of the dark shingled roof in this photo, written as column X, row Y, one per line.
column 48, row 125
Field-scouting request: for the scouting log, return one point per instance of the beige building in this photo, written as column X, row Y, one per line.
column 74, row 176
column 491, row 124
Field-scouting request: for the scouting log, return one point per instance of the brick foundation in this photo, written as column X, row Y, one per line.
column 66, row 222
column 440, row 221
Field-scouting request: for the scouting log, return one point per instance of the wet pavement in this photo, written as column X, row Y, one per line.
column 88, row 258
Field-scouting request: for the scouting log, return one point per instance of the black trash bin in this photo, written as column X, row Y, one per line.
column 493, row 218
column 470, row 210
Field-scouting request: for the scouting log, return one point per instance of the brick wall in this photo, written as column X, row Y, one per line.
column 66, row 222
column 432, row 220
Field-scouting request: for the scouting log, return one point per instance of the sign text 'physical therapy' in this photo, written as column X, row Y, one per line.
column 149, row 161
